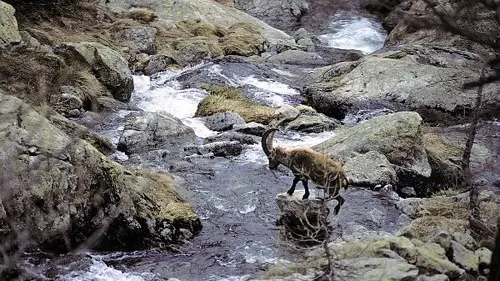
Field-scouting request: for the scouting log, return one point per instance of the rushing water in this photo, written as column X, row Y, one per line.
column 354, row 32
column 237, row 209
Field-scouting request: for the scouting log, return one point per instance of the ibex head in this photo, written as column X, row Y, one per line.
column 275, row 155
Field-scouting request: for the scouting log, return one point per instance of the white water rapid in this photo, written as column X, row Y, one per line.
column 354, row 32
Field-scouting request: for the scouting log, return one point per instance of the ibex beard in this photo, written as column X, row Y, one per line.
column 307, row 164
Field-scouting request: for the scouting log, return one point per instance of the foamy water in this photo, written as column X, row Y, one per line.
column 99, row 271
column 354, row 32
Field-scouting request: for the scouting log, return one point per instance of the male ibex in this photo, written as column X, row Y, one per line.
column 307, row 164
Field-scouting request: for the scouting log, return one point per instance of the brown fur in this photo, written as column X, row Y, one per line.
column 307, row 164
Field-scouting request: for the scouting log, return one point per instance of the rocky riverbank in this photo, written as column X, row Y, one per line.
column 67, row 72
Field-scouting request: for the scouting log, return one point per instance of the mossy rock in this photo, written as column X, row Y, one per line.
column 195, row 49
column 243, row 39
column 222, row 99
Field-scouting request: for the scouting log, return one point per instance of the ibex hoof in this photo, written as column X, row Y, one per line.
column 290, row 193
column 305, row 197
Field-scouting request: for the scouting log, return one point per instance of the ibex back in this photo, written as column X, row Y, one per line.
column 307, row 164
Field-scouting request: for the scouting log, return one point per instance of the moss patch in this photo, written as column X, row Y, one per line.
column 223, row 99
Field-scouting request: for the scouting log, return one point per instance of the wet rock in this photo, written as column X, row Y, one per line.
column 149, row 130
column 73, row 190
column 374, row 269
column 142, row 39
column 9, row 33
column 370, row 169
column 297, row 57
column 312, row 122
column 381, row 81
column 109, row 104
column 157, row 63
column 220, row 148
column 466, row 259
column 251, row 128
column 223, row 121
column 397, row 136
column 302, row 219
column 109, row 67
column 429, row 257
column 233, row 136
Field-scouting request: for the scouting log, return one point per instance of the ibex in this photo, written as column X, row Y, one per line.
column 307, row 164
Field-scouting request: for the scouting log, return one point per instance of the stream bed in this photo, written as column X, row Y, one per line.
column 234, row 197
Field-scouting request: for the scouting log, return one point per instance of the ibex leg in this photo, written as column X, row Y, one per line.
column 341, row 202
column 292, row 189
column 306, row 195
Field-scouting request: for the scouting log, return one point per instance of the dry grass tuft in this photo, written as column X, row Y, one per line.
column 223, row 99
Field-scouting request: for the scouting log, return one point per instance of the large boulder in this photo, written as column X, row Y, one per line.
column 398, row 136
column 414, row 22
column 108, row 65
column 9, row 34
column 171, row 12
column 426, row 80
column 154, row 131
column 370, row 169
column 61, row 193
column 280, row 14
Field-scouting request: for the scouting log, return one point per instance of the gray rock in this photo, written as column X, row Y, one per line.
column 407, row 191
column 444, row 239
column 149, row 131
column 301, row 33
column 370, row 169
column 169, row 14
column 9, row 33
column 313, row 122
column 67, row 99
column 429, row 257
column 410, row 206
column 142, row 38
column 251, row 128
column 307, row 44
column 297, row 57
column 280, row 14
column 437, row 277
column 157, row 63
column 234, row 136
column 375, row 269
column 29, row 41
column 301, row 219
column 220, row 149
column 223, row 121
column 484, row 255
column 83, row 190
column 398, row 136
column 109, row 66
column 463, row 257
column 380, row 81
column 287, row 112
column 465, row 239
